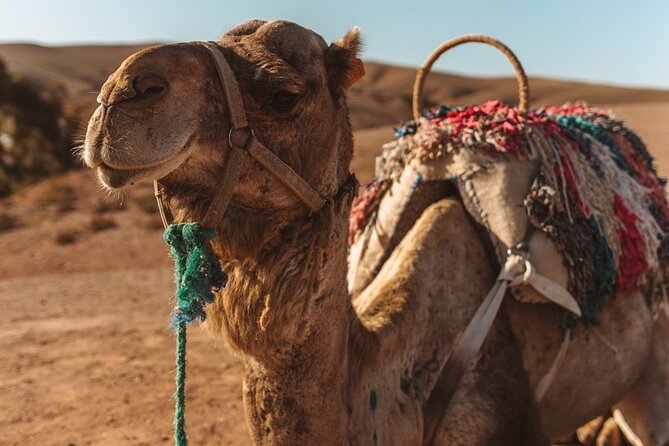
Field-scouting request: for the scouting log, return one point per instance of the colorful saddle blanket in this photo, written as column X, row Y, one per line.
column 577, row 175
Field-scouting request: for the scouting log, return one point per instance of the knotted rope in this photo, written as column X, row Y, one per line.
column 198, row 276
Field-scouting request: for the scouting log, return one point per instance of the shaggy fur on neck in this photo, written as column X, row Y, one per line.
column 267, row 304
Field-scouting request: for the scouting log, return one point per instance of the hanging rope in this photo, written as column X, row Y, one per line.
column 198, row 276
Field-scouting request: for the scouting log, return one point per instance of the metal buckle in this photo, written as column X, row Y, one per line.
column 239, row 137
column 521, row 249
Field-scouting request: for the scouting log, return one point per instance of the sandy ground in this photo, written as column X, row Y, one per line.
column 86, row 356
column 87, row 359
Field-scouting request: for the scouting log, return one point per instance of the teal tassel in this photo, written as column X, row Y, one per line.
column 198, row 276
column 600, row 135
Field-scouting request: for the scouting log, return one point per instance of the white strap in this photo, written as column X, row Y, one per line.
column 546, row 380
column 548, row 288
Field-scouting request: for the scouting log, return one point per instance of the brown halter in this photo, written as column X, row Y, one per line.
column 241, row 139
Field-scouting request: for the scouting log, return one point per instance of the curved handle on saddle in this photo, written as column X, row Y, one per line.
column 523, row 87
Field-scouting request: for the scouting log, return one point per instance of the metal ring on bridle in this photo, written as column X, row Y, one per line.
column 234, row 131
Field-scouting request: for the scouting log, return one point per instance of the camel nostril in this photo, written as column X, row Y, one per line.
column 148, row 86
column 154, row 89
column 148, row 91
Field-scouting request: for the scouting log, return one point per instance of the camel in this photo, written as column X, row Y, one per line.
column 317, row 368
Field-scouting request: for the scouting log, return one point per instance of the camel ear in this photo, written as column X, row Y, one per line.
column 342, row 63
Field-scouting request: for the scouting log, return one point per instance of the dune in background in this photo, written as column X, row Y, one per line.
column 382, row 97
column 75, row 72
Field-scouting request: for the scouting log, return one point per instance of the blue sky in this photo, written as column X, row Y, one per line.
column 616, row 41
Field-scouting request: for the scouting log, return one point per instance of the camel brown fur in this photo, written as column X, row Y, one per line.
column 319, row 369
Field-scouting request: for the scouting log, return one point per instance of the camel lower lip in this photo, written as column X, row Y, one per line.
column 118, row 178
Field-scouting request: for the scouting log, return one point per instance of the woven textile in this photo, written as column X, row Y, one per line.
column 574, row 172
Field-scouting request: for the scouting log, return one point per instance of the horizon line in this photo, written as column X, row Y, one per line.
column 379, row 60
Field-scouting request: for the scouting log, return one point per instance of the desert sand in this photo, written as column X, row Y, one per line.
column 86, row 355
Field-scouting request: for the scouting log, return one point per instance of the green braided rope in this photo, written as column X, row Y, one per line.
column 180, row 438
column 198, row 276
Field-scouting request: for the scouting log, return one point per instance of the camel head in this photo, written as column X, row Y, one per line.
column 163, row 115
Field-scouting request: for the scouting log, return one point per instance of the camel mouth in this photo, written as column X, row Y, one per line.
column 121, row 177
column 114, row 178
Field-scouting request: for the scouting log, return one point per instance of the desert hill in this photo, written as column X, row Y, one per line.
column 76, row 72
column 382, row 97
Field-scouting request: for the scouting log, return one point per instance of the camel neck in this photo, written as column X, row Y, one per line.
column 289, row 314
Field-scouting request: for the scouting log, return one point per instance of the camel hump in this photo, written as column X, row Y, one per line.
column 572, row 182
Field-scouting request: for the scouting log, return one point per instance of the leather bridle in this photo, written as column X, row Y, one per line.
column 242, row 140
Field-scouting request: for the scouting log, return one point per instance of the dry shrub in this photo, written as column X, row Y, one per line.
column 102, row 206
column 7, row 221
column 101, row 223
column 59, row 194
column 153, row 224
column 35, row 132
column 66, row 237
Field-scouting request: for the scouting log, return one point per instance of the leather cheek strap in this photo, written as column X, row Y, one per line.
column 225, row 189
column 284, row 173
column 249, row 144
column 230, row 88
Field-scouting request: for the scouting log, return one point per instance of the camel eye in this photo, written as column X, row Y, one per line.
column 284, row 100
